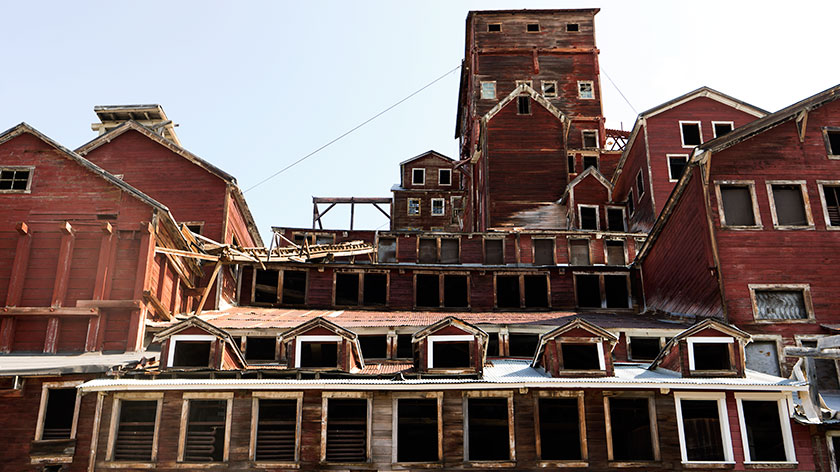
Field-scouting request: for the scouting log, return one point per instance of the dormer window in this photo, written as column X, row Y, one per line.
column 576, row 349
column 190, row 350
column 582, row 356
column 316, row 351
column 450, row 352
column 709, row 354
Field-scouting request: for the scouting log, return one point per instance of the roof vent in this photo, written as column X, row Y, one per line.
column 150, row 116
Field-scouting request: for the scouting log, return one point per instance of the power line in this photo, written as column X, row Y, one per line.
column 351, row 130
column 619, row 91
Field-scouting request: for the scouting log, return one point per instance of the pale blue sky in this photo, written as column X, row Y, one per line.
column 257, row 85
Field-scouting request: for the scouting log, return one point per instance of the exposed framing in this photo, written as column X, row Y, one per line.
column 185, row 411
column 299, row 340
column 255, row 416
column 543, row 86
column 173, row 341
column 442, row 207
column 750, row 184
column 362, row 273
column 396, row 396
column 511, row 436
column 699, row 130
column 692, row 340
column 31, row 170
column 821, row 184
column 116, row 409
column 784, row 422
column 723, row 417
column 597, row 216
column 408, row 206
column 325, row 397
column 714, row 130
column 441, row 172
column 806, row 297
column 42, row 410
column 803, row 188
column 521, row 280
column 580, row 92
column 654, row 431
column 200, row 225
column 825, row 131
column 584, row 450
column 668, row 157
column 481, row 90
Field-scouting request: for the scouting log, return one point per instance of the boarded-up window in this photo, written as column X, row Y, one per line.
column 428, row 291
column 449, row 251
column 205, row 438
column 762, row 356
column 832, row 204
column 559, row 429
column 494, row 251
column 701, row 428
column 580, row 356
column 676, row 165
column 294, row 287
column 615, row 252
column 615, row 290
column 316, row 354
column 346, row 289
column 711, row 356
column 764, row 431
column 58, row 417
column 588, row 290
column 387, row 250
column 455, row 354
column 536, row 291
column 630, row 429
column 455, row 291
column 417, row 430
column 135, row 431
column 588, row 217
column 780, row 305
column 579, row 249
column 276, row 430
column 790, row 208
column 737, row 205
column 507, row 291
column 590, row 139
column 488, row 429
column 690, row 134
column 375, row 289
column 543, row 252
column 644, row 349
column 590, row 161
column 615, row 219
column 428, row 251
column 523, row 105
column 265, row 290
column 260, row 348
column 346, row 430
column 374, row 346
column 523, row 345
column 191, row 354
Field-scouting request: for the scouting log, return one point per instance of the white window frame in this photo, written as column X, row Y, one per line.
column 28, row 188
column 723, row 417
column 325, row 397
column 820, row 185
column 299, row 340
column 116, row 409
column 699, row 130
column 599, row 345
column 583, row 134
column 636, row 184
column 584, row 449
column 185, row 412
column 408, row 206
column 806, row 298
column 832, row 454
column 481, row 90
column 784, row 421
column 255, row 416
column 396, row 397
column 623, row 216
column 430, row 340
column 511, row 418
column 173, row 341
column 714, row 131
column 545, row 94
column 413, row 181
column 443, row 171
column 442, row 202
column 42, row 410
column 580, row 93
column 597, row 219
column 529, row 83
column 750, row 184
column 692, row 340
column 668, row 157
column 803, row 188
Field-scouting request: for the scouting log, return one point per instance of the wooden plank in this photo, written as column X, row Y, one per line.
column 51, row 338
column 65, row 260
column 19, row 266
column 207, row 289
column 102, row 265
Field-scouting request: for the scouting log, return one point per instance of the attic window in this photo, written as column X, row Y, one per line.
column 195, row 227
column 387, row 250
column 346, row 430
column 722, row 127
column 494, row 251
column 710, row 353
column 523, row 105
column 444, row 176
column 644, row 349
column 586, row 90
column 417, row 435
column 543, row 251
column 317, row 353
column 494, row 27
column 588, row 217
column 690, row 132
column 507, row 291
column 294, row 287
column 522, row 345
column 533, row 27
column 615, row 219
column 15, row 179
column 450, row 354
column 190, row 352
column 260, row 349
column 561, row 429
column 572, row 27
column 781, row 302
column 590, row 141
column 582, row 356
column 549, row 88
column 418, row 176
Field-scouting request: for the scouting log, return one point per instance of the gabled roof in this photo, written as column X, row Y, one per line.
column 574, row 323
column 433, row 153
column 708, row 323
column 525, row 89
column 446, row 322
column 586, row 173
column 111, row 116
column 196, row 322
column 319, row 322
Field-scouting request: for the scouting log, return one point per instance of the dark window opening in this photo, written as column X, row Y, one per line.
column 136, row 431
column 260, row 349
column 832, row 204
column 640, row 183
column 387, row 250
column 676, row 166
column 58, row 418
column 691, row 134
column 523, row 105
column 559, row 429
column 494, row 251
column 571, row 164
column 790, row 208
column 827, row 379
column 536, row 291
column 346, row 289
column 780, row 305
column 449, row 251
column 590, row 161
column 615, row 253
column 701, row 427
column 543, row 252
column 14, row 179
column 590, row 141
column 644, row 349
column 494, row 27
column 418, row 176
column 191, row 354
column 588, row 218
column 445, row 177
column 762, row 356
column 205, row 438
column 374, row 346
column 615, row 219
column 722, row 128
column 428, row 291
column 195, row 228
column 488, row 429
column 427, row 253
column 493, row 345
column 507, row 291
column 631, row 207
column 533, row 27
column 315, row 354
column 833, row 138
column 711, row 356
column 417, row 430
column 405, row 349
column 615, row 289
column 265, row 290
column 737, row 205
column 455, row 354
column 276, row 430
column 455, row 291
column 764, row 431
column 523, row 345
column 549, row 89
column 346, row 430
column 375, row 289
column 294, row 287
column 579, row 251
column 588, row 291
column 580, row 356
column 572, row 27
column 630, row 426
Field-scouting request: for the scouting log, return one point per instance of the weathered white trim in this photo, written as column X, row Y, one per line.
column 730, row 123
column 723, row 417
column 699, row 131
column 704, row 340
column 42, row 410
column 173, row 341
column 784, row 422
column 443, row 338
column 311, row 339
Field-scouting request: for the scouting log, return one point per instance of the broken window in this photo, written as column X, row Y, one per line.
column 260, row 349
column 450, row 251
column 549, row 88
column 15, row 179
column 524, row 82
column 571, row 163
column 762, row 356
column 507, row 291
column 615, row 219
column 455, row 291
column 586, row 90
column 417, row 430
column 640, row 184
column 615, row 252
column 762, row 423
column 644, row 349
column 318, row 354
column 711, row 356
column 780, row 304
column 374, row 346
column 559, row 429
column 294, row 287
column 536, row 291
column 191, row 353
column 579, row 251
column 428, row 291
column 494, row 251
column 580, row 356
column 533, row 27
column 676, row 165
column 572, row 27
column 630, row 428
column 205, row 437
column 405, row 348
column 588, row 217
column 444, row 176
column 346, row 430
column 438, row 206
column 427, row 251
column 488, row 429
column 588, row 291
column 690, row 132
column 494, row 27
column 59, row 413
column 631, row 207
column 488, row 90
column 450, row 354
column 615, row 291
column 789, row 205
column 195, row 227
column 590, row 161
column 135, row 433
column 543, row 252
column 523, row 105
column 418, row 176
column 831, row 194
column 590, row 140
column 522, row 344
column 346, row 288
column 413, row 206
column 826, row 370
column 702, row 431
column 375, row 289
column 832, row 141
column 387, row 250
column 276, row 430
column 721, row 127
column 265, row 289
column 737, row 205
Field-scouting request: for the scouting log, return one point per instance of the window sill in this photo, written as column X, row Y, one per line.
column 127, row 465
column 417, row 465
column 202, row 465
column 274, row 465
column 794, row 228
column 635, row 464
column 30, row 191
column 708, row 465
column 490, row 464
column 771, row 465
column 742, row 228
column 803, row 320
column 554, row 464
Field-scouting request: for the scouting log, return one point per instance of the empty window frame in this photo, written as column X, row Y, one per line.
column 632, row 435
column 640, row 184
column 16, row 179
column 763, row 354
column 190, row 350
column 560, row 423
column 549, row 88
column 405, row 348
column 445, row 177
column 195, row 226
column 523, row 344
column 588, row 217
column 590, row 161
column 631, row 206
column 275, row 427
column 572, row 27
column 456, row 291
column 765, row 428
column 830, row 199
column 781, row 302
column 588, row 291
column 450, row 351
column 832, row 141
column 522, row 291
column 690, row 134
column 586, row 89
column 543, row 251
column 710, row 353
column 532, row 27
column 589, row 140
column 703, row 427
column 616, row 220
column 643, row 348
column 719, row 128
column 205, row 427
column 438, row 206
column 294, row 284
column 374, row 346
column 789, row 204
column 615, row 252
column 375, row 289
column 418, row 176
column 537, row 291
column 605, row 290
column 265, row 286
column 135, row 426
column 494, row 251
column 493, row 344
column 347, row 289
column 571, row 163
column 59, row 411
column 313, row 351
column 676, row 165
column 523, row 105
column 345, row 427
column 260, row 349
column 427, row 290
column 524, row 82
column 488, row 90
column 488, row 431
column 386, row 249
column 413, row 207
column 737, row 205
column 416, row 430
column 507, row 291
column 579, row 252
column 494, row 27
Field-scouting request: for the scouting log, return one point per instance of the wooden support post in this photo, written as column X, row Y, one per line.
column 7, row 334
column 51, row 338
column 65, row 259
column 315, row 217
column 352, row 214
column 19, row 265
column 207, row 289
column 92, row 335
column 145, row 259
column 102, row 266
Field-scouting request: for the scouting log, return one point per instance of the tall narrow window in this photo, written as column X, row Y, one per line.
column 418, row 176
column 347, row 430
column 579, row 251
column 135, row 431
column 523, row 105
column 676, row 165
column 265, row 289
column 615, row 291
column 488, row 429
column 631, row 429
column 507, row 291
column 543, row 252
column 702, row 427
column 690, row 132
column 571, row 163
column 737, row 202
column 494, row 251
column 444, row 176
column 560, row 429
column 588, row 290
column 387, row 250
column 294, row 287
column 831, row 199
column 59, row 413
column 640, row 184
column 766, row 429
column 586, row 89
column 205, row 436
column 276, row 431
column 590, row 139
column 631, row 207
column 417, row 430
column 789, row 205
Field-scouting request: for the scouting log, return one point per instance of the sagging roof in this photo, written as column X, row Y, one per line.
column 153, row 116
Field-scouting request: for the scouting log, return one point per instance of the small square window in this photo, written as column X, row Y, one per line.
column 413, row 206
column 590, row 161
column 690, row 132
column 590, row 139
column 15, row 179
column 676, row 165
column 572, row 27
column 832, row 141
column 438, row 206
column 711, row 355
column 644, row 349
column 586, row 90
column 581, row 356
column 533, row 27
column 722, row 127
column 523, row 105
column 549, row 88
column 444, row 176
column 418, row 176
column 494, row 27
column 488, row 90
column 640, row 184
